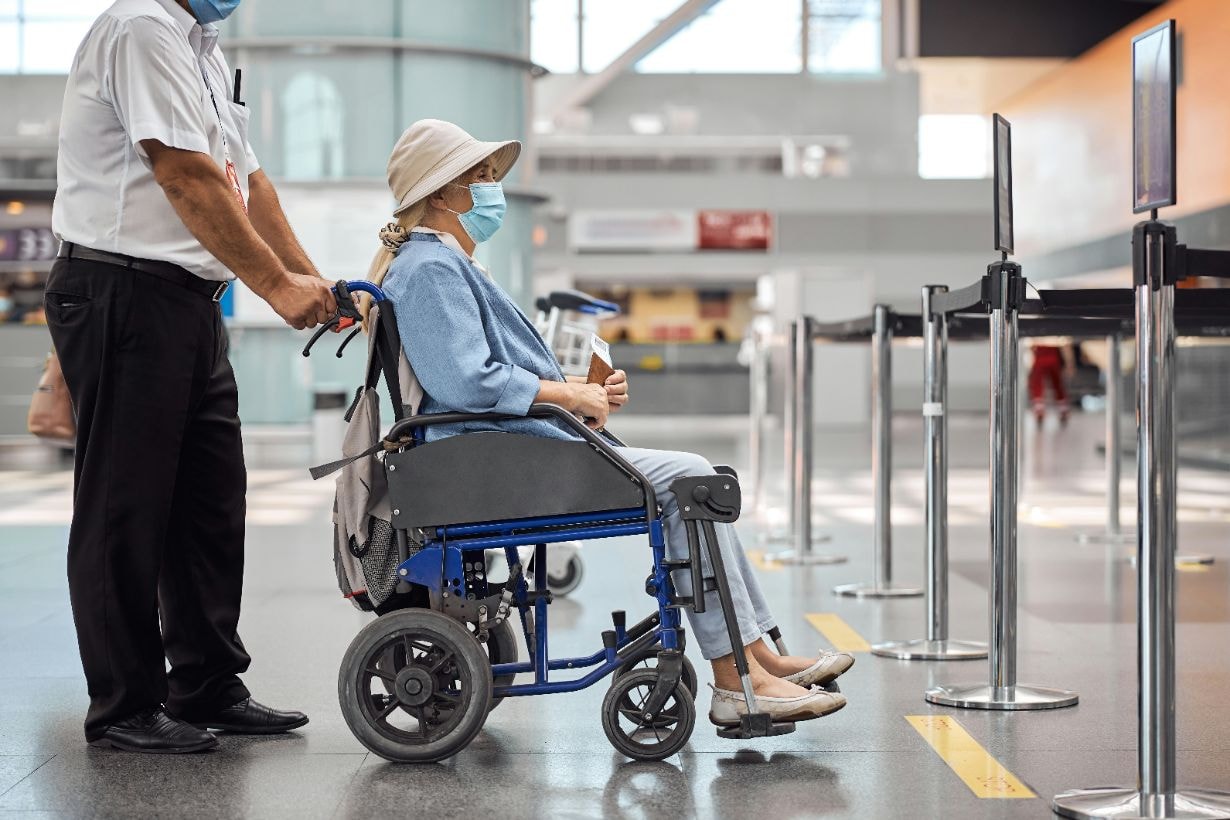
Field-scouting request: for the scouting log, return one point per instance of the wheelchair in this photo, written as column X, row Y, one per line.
column 418, row 683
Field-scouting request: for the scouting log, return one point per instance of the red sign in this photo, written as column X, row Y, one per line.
column 735, row 230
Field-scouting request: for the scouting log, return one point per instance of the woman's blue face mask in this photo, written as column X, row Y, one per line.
column 487, row 214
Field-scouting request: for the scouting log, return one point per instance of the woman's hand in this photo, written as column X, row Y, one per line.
column 616, row 390
column 590, row 401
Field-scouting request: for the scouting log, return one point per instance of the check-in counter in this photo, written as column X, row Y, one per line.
column 684, row 379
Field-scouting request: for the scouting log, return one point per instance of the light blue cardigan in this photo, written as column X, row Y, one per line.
column 472, row 348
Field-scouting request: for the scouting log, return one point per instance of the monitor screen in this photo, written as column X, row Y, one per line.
column 1002, row 138
column 1153, row 118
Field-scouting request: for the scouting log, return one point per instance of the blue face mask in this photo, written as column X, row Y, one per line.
column 212, row 11
column 485, row 217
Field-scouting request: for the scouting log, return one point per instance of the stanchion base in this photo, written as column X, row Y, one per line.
column 924, row 650
column 787, row 538
column 1019, row 698
column 873, row 591
column 803, row 559
column 1183, row 560
column 1086, row 804
column 1106, row 537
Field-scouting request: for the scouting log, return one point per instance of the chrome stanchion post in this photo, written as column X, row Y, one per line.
column 1114, row 450
column 936, row 646
column 881, row 466
column 758, row 376
column 1155, row 795
column 789, row 440
column 804, row 439
column 1114, row 447
column 1003, row 692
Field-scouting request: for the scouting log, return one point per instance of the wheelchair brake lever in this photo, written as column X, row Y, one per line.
column 342, row 347
column 320, row 331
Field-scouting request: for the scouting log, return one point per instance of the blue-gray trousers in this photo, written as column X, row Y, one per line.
column 662, row 467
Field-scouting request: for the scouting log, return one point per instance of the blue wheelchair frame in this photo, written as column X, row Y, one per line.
column 453, row 547
column 445, row 556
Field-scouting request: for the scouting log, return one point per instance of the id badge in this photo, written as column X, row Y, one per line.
column 232, row 176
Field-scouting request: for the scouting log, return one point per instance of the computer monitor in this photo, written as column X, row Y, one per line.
column 1153, row 118
column 1002, row 138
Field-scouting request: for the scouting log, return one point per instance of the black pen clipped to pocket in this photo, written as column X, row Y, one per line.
column 239, row 86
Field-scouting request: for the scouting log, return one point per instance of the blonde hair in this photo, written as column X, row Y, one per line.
column 391, row 237
column 394, row 234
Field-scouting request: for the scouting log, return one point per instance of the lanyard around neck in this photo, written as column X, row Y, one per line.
column 232, row 175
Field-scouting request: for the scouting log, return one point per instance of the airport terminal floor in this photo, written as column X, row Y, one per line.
column 541, row 757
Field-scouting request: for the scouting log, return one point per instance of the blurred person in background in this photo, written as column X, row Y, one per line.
column 160, row 204
column 1053, row 362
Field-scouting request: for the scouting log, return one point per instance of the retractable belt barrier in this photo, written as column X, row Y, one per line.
column 994, row 308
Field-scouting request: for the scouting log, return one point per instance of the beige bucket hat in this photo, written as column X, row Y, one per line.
column 432, row 153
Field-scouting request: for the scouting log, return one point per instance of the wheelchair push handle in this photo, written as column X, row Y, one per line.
column 347, row 313
column 578, row 301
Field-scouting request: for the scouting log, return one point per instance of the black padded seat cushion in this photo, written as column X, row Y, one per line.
column 481, row 477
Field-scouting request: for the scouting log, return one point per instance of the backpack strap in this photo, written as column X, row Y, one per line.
column 387, row 353
column 333, row 466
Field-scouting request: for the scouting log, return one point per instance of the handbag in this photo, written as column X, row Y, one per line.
column 51, row 409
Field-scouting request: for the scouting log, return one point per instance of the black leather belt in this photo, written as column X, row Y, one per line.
column 163, row 270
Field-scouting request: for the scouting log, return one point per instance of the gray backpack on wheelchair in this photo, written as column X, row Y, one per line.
column 365, row 553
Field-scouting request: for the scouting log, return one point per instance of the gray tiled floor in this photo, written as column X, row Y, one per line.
column 549, row 758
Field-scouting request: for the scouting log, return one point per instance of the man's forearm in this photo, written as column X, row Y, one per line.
column 207, row 206
column 269, row 220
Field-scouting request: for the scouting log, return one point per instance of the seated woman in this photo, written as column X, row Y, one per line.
column 474, row 351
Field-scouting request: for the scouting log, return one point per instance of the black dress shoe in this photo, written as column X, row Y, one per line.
column 155, row 732
column 251, row 718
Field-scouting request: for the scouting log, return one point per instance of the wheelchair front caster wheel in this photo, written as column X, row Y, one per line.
column 648, row 659
column 641, row 737
column 441, row 686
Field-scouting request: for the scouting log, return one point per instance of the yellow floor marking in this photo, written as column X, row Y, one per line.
column 982, row 773
column 1191, row 566
column 761, row 561
column 837, row 632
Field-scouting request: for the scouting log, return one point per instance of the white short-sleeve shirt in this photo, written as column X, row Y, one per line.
column 141, row 74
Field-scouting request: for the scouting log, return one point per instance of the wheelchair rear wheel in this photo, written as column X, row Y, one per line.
column 647, row 738
column 441, row 686
column 501, row 647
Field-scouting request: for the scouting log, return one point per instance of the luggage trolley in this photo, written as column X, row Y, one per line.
column 567, row 319
column 417, row 683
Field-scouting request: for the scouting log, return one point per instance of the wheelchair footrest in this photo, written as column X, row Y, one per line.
column 757, row 724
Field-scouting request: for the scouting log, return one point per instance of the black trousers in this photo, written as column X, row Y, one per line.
column 158, row 500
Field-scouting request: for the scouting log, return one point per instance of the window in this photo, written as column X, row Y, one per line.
column 312, row 132
column 734, row 37
column 611, row 26
column 843, row 36
column 954, row 146
column 553, row 35
column 41, row 36
column 730, row 37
